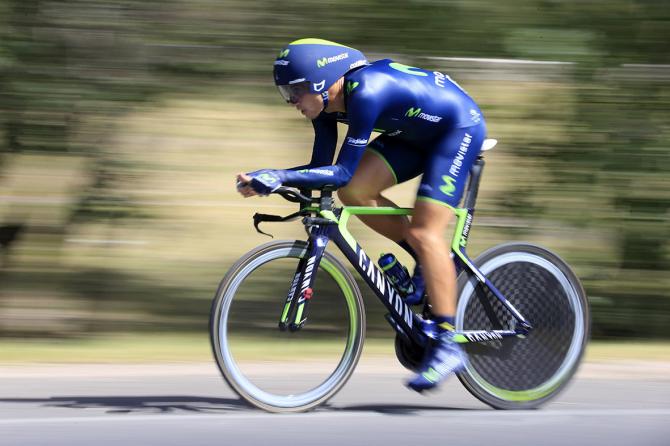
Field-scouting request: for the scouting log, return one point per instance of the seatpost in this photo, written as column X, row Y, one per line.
column 473, row 184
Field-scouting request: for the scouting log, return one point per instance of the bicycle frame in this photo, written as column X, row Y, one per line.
column 331, row 225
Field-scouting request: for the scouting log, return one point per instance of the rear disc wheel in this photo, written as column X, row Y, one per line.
column 522, row 373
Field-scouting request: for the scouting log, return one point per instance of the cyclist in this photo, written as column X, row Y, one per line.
column 428, row 124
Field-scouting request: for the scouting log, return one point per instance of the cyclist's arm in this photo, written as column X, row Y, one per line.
column 325, row 142
column 361, row 122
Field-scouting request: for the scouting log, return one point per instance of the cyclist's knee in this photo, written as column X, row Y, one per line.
column 423, row 239
column 353, row 195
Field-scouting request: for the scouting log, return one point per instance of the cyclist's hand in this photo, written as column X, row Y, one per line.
column 243, row 186
column 263, row 182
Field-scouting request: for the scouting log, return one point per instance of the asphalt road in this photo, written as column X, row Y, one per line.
column 190, row 405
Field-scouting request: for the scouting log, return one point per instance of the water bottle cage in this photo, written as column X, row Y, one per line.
column 396, row 274
column 402, row 291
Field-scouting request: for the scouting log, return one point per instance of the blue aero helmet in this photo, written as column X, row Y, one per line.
column 312, row 66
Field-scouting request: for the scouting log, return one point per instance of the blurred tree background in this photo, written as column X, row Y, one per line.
column 122, row 124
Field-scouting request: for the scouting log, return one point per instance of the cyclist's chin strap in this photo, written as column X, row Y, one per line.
column 324, row 95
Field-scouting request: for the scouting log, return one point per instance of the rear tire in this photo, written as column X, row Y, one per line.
column 516, row 373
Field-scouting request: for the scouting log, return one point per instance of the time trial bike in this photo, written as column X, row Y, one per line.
column 288, row 323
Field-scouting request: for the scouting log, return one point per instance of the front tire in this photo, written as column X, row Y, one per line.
column 246, row 339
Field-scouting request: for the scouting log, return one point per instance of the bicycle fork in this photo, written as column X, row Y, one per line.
column 294, row 314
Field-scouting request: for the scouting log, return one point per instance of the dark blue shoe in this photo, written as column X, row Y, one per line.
column 443, row 359
column 419, row 294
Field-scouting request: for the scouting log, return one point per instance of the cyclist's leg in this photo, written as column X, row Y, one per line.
column 385, row 163
column 426, row 235
column 441, row 189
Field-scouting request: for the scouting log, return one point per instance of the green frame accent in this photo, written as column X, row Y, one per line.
column 457, row 244
column 329, row 215
column 298, row 314
column 284, row 315
column 348, row 211
column 460, row 339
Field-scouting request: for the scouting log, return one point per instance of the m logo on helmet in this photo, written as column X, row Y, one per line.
column 412, row 112
column 321, row 62
column 283, row 53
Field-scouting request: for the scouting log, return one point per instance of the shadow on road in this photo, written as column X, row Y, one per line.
column 397, row 409
column 139, row 404
column 197, row 404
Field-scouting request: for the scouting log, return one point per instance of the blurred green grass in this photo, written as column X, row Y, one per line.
column 148, row 348
column 185, row 154
column 157, row 348
column 160, row 272
column 123, row 125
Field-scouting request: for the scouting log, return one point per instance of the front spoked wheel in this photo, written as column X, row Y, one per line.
column 523, row 373
column 279, row 370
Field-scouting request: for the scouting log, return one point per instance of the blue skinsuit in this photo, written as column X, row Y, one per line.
column 428, row 123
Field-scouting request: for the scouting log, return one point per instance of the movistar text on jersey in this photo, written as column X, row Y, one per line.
column 431, row 118
column 455, row 168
